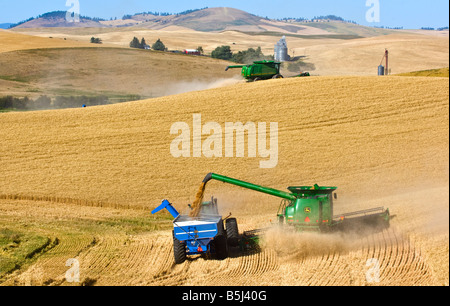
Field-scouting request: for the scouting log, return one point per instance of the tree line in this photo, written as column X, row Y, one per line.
column 223, row 52
column 128, row 16
column 241, row 57
column 158, row 45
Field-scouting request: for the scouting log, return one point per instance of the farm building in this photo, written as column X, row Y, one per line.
column 191, row 51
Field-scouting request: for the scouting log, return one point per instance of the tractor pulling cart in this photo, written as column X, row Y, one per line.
column 307, row 208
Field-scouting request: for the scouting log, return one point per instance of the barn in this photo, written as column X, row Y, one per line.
column 191, row 51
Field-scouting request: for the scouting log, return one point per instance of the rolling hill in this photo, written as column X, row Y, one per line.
column 57, row 19
column 207, row 20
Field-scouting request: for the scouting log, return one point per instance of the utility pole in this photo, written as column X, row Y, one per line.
column 386, row 54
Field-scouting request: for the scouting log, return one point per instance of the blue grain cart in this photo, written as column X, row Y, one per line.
column 205, row 234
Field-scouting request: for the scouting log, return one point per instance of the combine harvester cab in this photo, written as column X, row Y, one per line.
column 204, row 234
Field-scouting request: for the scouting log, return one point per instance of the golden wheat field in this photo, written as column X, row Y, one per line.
column 80, row 183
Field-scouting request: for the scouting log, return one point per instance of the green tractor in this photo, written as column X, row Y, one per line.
column 259, row 70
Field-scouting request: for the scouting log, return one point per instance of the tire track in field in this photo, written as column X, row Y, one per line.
column 147, row 259
column 97, row 262
column 397, row 260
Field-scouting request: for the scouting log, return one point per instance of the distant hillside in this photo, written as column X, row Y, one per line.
column 210, row 20
column 57, row 19
column 217, row 19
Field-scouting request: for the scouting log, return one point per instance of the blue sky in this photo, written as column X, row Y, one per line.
column 393, row 13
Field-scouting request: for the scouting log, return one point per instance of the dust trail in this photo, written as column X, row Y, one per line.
column 288, row 242
column 196, row 85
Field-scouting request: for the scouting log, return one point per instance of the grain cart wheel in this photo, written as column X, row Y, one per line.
column 220, row 246
column 179, row 251
column 220, row 242
column 232, row 232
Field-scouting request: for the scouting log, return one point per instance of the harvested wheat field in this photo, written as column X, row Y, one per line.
column 80, row 183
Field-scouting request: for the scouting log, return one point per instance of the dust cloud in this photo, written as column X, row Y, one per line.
column 288, row 242
column 196, row 85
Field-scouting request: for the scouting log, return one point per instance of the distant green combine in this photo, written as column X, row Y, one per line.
column 262, row 70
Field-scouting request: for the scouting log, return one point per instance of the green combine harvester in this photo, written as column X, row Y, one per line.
column 262, row 70
column 310, row 208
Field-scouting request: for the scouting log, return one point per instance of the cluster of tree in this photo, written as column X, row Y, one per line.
column 96, row 40
column 158, row 45
column 388, row 28
column 138, row 45
column 432, row 29
column 316, row 18
column 329, row 17
column 332, row 18
column 128, row 16
column 190, row 11
column 241, row 57
column 249, row 56
column 222, row 52
column 45, row 102
column 296, row 19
